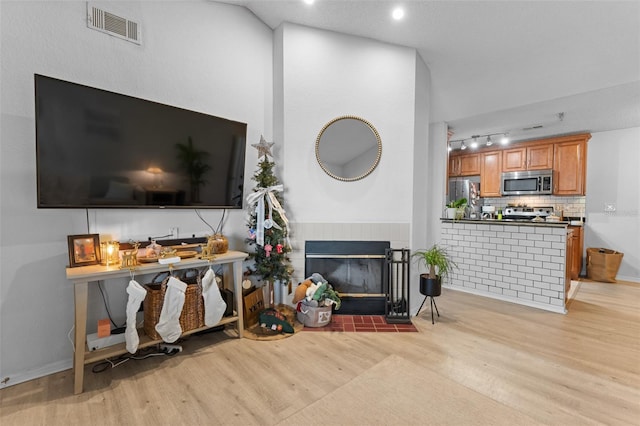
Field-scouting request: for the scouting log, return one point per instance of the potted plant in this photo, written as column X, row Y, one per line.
column 439, row 263
column 455, row 209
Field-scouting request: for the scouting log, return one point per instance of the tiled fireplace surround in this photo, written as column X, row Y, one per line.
column 396, row 233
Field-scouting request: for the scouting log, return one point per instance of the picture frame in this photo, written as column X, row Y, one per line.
column 84, row 249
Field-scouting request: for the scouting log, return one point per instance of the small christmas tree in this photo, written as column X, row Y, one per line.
column 268, row 225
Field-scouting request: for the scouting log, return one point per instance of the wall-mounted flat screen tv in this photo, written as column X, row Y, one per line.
column 99, row 149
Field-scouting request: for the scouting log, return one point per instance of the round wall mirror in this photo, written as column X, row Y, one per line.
column 348, row 148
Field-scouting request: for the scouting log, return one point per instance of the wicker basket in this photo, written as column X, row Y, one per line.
column 192, row 315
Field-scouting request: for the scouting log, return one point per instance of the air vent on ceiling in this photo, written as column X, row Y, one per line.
column 109, row 23
column 537, row 126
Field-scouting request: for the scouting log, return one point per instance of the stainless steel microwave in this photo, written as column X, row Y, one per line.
column 534, row 182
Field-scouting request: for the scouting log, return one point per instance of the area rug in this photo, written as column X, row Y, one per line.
column 399, row 392
column 363, row 323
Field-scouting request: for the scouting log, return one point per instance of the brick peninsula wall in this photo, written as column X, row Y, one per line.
column 513, row 261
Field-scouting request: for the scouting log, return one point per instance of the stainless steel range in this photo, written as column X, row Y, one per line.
column 526, row 213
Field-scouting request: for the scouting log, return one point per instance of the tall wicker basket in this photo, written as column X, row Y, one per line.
column 192, row 315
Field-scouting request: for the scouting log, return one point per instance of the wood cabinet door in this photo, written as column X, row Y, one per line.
column 454, row 163
column 540, row 157
column 569, row 164
column 490, row 172
column 576, row 266
column 514, row 160
column 568, row 264
column 469, row 164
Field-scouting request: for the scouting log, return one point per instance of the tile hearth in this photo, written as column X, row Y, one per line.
column 362, row 323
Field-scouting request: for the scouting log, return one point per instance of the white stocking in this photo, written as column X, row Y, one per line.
column 214, row 305
column 137, row 294
column 168, row 326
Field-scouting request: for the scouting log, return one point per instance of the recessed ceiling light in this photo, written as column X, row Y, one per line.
column 309, row 2
column 398, row 13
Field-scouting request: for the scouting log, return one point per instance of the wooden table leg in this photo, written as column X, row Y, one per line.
column 237, row 289
column 80, row 300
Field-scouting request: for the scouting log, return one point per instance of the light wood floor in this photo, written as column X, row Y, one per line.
column 581, row 368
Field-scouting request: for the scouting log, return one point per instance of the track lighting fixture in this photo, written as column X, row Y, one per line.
column 475, row 141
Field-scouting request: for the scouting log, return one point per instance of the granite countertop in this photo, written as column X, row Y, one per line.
column 562, row 223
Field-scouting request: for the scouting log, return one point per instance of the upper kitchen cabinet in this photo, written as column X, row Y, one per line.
column 533, row 157
column 464, row 165
column 569, row 165
column 490, row 173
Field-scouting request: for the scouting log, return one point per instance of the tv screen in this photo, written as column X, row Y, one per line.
column 99, row 149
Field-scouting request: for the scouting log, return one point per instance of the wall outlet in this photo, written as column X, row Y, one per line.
column 175, row 232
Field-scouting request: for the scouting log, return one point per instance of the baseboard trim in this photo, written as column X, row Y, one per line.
column 626, row 278
column 532, row 304
column 37, row 373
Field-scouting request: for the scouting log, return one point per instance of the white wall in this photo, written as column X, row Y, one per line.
column 613, row 177
column 203, row 56
column 437, row 178
column 422, row 184
column 326, row 75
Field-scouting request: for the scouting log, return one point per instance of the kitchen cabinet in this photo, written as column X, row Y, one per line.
column 568, row 263
column 565, row 155
column 569, row 166
column 535, row 157
column 490, row 173
column 464, row 165
column 577, row 248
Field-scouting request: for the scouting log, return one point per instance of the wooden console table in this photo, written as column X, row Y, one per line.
column 82, row 276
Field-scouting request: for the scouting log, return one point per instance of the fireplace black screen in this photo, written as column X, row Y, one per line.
column 356, row 269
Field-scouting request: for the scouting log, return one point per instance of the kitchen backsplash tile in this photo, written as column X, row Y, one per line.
column 570, row 206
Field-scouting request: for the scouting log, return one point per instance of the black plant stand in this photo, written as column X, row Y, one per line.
column 430, row 287
column 433, row 304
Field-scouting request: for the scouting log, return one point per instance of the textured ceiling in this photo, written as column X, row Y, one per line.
column 502, row 65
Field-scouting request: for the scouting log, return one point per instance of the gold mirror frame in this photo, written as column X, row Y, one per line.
column 377, row 141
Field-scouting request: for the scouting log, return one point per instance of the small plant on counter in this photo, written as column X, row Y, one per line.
column 461, row 202
column 455, row 209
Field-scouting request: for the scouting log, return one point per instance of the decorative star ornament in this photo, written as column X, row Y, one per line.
column 264, row 147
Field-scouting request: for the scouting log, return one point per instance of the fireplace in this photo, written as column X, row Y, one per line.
column 355, row 269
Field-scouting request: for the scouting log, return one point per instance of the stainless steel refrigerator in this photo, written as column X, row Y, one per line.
column 469, row 188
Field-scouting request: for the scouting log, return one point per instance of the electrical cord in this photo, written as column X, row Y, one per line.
column 73, row 345
column 106, row 306
column 115, row 362
column 161, row 236
column 218, row 229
